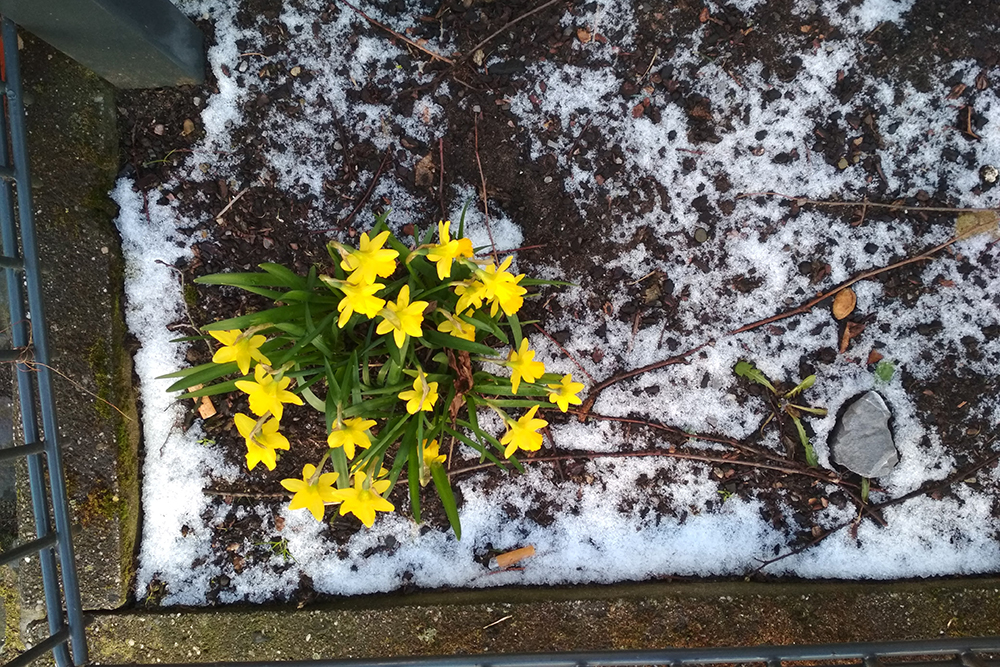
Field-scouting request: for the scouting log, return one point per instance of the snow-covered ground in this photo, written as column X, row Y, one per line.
column 593, row 540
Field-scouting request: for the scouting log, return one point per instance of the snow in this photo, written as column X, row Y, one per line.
column 610, row 528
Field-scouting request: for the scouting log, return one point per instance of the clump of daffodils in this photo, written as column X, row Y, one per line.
column 392, row 345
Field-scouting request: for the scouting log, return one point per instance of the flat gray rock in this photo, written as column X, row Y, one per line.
column 862, row 442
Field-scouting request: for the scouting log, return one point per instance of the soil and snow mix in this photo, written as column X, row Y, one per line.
column 633, row 143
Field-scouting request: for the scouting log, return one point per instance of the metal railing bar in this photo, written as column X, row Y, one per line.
column 27, row 549
column 50, row 643
column 10, row 262
column 39, row 338
column 17, row 451
column 14, row 354
column 675, row 656
column 8, row 173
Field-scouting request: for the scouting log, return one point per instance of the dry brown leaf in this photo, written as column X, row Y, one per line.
column 874, row 357
column 704, row 15
column 852, row 330
column 638, row 110
column 583, row 35
column 977, row 222
column 423, row 173
column 844, row 303
column 505, row 560
column 206, row 408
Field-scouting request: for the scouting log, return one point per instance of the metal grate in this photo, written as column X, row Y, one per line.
column 30, row 350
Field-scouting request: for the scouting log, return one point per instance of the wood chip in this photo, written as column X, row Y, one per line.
column 206, row 408
column 704, row 15
column 505, row 560
column 424, row 171
column 188, row 127
column 583, row 35
column 844, row 303
column 874, row 357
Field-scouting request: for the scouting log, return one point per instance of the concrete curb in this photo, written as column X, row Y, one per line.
column 544, row 620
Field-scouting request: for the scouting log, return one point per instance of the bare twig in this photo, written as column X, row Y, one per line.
column 237, row 494
column 444, row 213
column 432, row 54
column 596, row 391
column 346, row 221
column 507, row 25
column 576, row 142
column 871, row 204
column 877, row 508
column 218, row 218
column 571, row 357
column 808, row 305
column 486, row 205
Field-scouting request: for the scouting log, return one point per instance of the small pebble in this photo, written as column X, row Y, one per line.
column 337, row 146
column 476, row 108
column 547, row 179
column 989, row 173
column 700, row 235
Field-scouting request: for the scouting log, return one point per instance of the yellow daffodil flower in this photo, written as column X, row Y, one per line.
column 239, row 347
column 458, row 327
column 261, row 442
column 565, row 393
column 312, row 494
column 522, row 365
column 470, row 294
column 360, row 299
column 523, row 434
column 431, row 456
column 266, row 394
column 501, row 288
column 402, row 317
column 363, row 500
column 448, row 250
column 350, row 433
column 421, row 397
column 370, row 260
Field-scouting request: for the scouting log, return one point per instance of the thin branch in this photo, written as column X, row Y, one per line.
column 218, row 218
column 486, row 204
column 898, row 207
column 808, row 305
column 238, row 494
column 563, row 349
column 596, row 391
column 346, row 221
column 444, row 213
column 659, row 452
column 878, row 508
column 432, row 54
column 507, row 25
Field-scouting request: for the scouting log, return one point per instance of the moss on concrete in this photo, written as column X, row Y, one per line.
column 11, row 610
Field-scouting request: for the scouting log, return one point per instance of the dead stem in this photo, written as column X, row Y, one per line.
column 870, row 509
column 432, row 54
column 346, row 221
column 898, row 207
column 237, row 494
column 807, row 306
column 570, row 356
column 486, row 204
column 659, row 452
column 444, row 213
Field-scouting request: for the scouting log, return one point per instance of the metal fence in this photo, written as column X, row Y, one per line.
column 30, row 350
column 53, row 546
